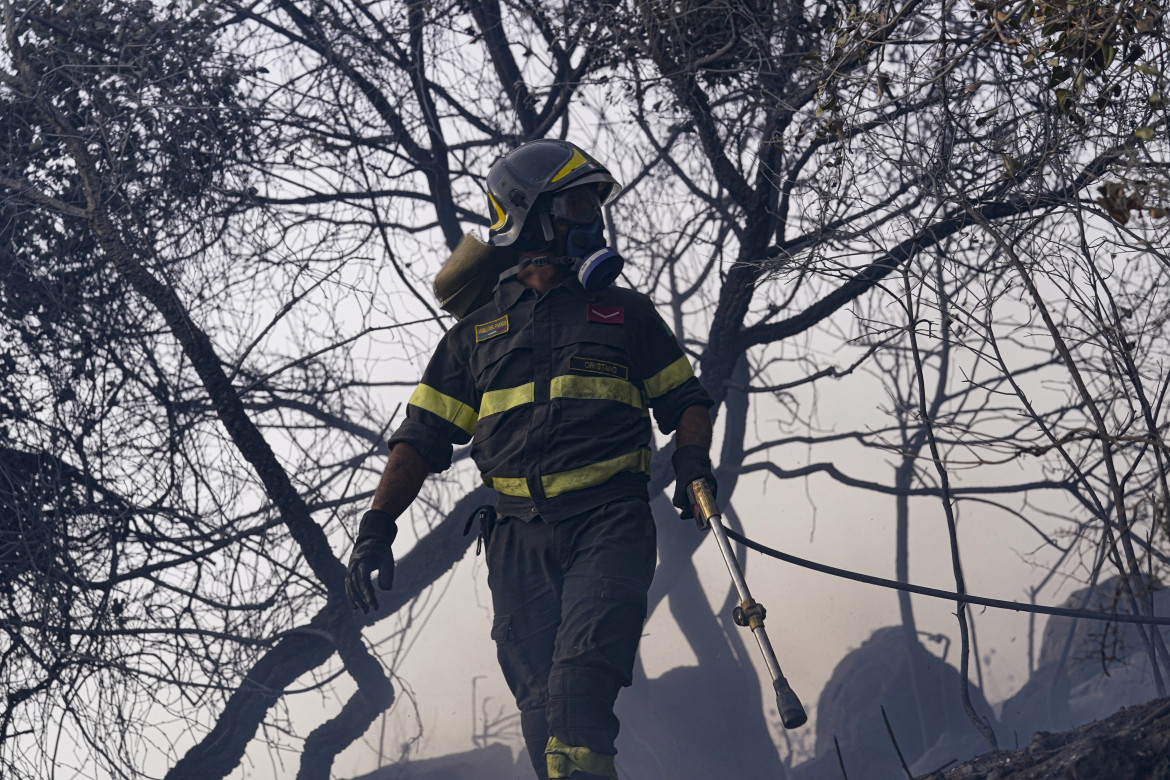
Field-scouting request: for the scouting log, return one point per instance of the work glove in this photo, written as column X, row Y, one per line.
column 371, row 552
column 690, row 463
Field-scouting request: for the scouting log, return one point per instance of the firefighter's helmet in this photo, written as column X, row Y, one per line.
column 518, row 180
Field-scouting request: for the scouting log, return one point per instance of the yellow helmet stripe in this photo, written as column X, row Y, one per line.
column 575, row 162
column 501, row 217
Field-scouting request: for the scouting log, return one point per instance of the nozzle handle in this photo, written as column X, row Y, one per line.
column 792, row 713
column 702, row 502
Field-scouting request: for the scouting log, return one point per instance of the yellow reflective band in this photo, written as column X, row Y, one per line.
column 575, row 162
column 669, row 378
column 501, row 217
column 595, row 473
column 496, row 401
column 509, row 486
column 450, row 409
column 563, row 761
column 596, row 388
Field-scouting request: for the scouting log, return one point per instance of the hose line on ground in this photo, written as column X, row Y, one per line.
column 1015, row 606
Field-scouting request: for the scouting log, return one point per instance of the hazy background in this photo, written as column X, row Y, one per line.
column 917, row 253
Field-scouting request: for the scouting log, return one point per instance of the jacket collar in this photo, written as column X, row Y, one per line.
column 510, row 290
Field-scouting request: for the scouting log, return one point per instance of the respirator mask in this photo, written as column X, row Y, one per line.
column 595, row 264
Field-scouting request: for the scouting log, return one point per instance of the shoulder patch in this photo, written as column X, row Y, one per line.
column 610, row 315
column 489, row 330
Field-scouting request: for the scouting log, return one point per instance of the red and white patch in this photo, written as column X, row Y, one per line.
column 610, row 315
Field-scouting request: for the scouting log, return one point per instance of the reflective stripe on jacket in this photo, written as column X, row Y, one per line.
column 554, row 392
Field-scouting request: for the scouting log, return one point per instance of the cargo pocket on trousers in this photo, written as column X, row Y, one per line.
column 517, row 671
column 502, row 628
column 623, row 613
column 622, row 591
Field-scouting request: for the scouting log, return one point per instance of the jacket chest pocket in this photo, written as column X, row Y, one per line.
column 594, row 365
column 502, row 362
column 598, row 350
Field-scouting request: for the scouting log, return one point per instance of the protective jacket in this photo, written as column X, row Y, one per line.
column 554, row 392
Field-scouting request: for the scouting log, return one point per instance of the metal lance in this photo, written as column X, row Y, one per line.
column 749, row 613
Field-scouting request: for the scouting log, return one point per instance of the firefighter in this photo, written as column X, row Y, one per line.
column 553, row 380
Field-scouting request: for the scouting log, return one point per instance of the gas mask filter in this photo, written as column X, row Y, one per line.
column 595, row 264
column 599, row 269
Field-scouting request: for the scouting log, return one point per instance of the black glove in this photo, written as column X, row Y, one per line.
column 371, row 551
column 690, row 463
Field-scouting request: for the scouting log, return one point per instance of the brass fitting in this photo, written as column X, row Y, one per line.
column 703, row 501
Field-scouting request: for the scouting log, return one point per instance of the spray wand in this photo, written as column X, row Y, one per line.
column 749, row 613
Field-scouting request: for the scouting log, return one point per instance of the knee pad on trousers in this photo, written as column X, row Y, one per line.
column 567, row 762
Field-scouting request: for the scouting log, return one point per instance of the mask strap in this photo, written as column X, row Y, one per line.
column 547, row 226
column 545, row 260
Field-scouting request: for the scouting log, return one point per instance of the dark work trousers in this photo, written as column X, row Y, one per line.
column 570, row 603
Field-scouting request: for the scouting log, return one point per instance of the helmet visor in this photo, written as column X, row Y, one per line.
column 577, row 206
